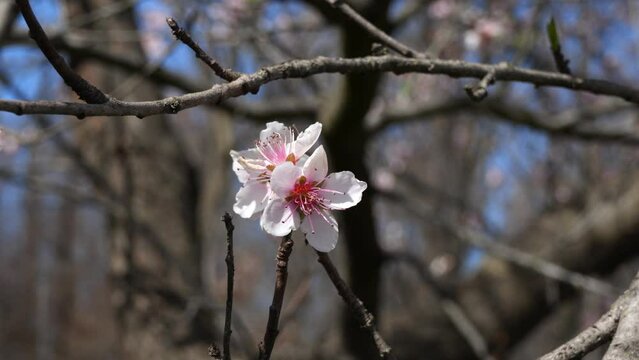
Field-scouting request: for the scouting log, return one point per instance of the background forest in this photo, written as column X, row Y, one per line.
column 497, row 228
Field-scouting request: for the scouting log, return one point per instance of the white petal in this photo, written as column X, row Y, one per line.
column 316, row 167
column 300, row 162
column 283, row 178
column 279, row 219
column 251, row 153
column 251, row 199
column 306, row 139
column 320, row 233
column 274, row 127
column 247, row 164
column 342, row 190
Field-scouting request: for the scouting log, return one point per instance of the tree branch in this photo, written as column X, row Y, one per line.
column 230, row 269
column 625, row 344
column 281, row 276
column 356, row 306
column 320, row 65
column 600, row 332
column 80, row 86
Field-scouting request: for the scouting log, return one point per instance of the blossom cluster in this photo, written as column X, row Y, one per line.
column 290, row 189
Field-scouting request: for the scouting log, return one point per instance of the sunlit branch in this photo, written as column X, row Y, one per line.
column 601, row 331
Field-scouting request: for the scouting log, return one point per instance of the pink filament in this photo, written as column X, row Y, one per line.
column 307, row 198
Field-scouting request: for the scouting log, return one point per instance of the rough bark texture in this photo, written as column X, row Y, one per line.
column 625, row 344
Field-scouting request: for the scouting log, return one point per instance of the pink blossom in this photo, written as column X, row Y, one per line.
column 277, row 145
column 9, row 142
column 306, row 194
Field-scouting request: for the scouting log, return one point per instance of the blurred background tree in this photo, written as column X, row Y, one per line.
column 110, row 241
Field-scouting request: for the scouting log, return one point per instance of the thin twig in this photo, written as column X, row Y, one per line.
column 281, row 276
column 366, row 319
column 182, row 35
column 85, row 90
column 230, row 274
column 374, row 31
column 599, row 333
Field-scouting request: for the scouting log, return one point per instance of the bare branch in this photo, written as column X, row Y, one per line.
column 80, row 86
column 600, row 332
column 625, row 344
column 320, row 65
column 230, row 269
column 356, row 306
column 183, row 36
column 281, row 277
column 374, row 31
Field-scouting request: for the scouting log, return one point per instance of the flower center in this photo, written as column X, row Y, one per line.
column 306, row 197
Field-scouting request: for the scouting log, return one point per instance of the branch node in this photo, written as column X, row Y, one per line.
column 479, row 91
column 172, row 105
column 214, row 352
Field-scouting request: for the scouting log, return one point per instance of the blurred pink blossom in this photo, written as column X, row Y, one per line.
column 9, row 143
column 483, row 33
column 441, row 9
column 494, row 177
column 384, row 179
